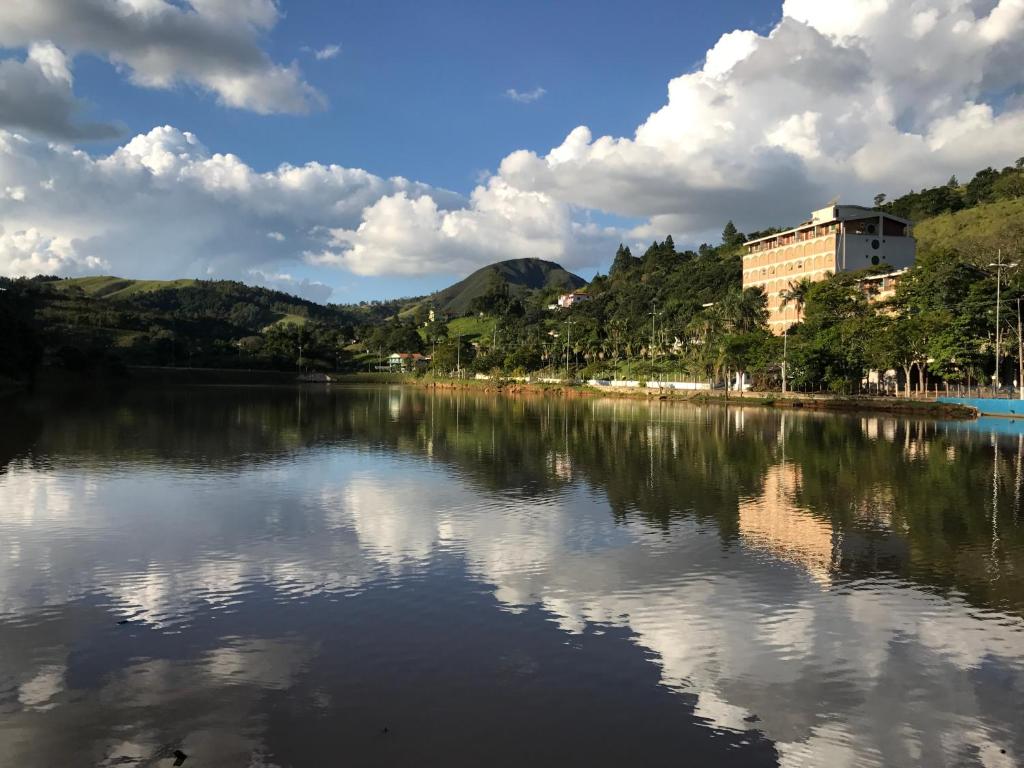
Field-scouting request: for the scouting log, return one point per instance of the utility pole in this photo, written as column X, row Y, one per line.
column 785, row 356
column 568, row 344
column 654, row 315
column 999, row 285
column 458, row 357
column 1020, row 356
column 1000, row 266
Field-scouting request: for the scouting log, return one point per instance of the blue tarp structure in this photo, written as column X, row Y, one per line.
column 989, row 406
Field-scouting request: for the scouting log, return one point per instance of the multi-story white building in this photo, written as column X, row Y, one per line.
column 840, row 238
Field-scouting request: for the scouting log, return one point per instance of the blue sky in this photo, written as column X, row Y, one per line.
column 214, row 141
column 418, row 88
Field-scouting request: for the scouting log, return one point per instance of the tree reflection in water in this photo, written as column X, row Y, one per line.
column 810, row 589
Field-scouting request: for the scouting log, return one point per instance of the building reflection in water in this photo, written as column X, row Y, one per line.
column 773, row 523
column 821, row 583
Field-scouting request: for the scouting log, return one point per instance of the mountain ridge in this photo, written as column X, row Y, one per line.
column 522, row 276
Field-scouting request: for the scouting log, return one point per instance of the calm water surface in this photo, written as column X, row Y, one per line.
column 275, row 577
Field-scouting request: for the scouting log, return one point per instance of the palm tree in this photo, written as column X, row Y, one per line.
column 796, row 294
column 741, row 311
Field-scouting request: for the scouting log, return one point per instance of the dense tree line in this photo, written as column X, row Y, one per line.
column 209, row 325
column 670, row 313
column 20, row 345
column 987, row 186
column 665, row 313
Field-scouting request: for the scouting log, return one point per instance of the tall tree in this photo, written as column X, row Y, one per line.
column 732, row 237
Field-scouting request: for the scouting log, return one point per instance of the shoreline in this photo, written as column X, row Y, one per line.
column 160, row 376
column 793, row 401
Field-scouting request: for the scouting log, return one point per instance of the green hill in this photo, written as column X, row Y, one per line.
column 245, row 306
column 108, row 287
column 522, row 276
column 975, row 233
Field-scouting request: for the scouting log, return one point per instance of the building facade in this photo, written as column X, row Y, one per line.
column 567, row 300
column 839, row 238
column 407, row 361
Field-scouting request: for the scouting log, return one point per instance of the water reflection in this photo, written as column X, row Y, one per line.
column 273, row 576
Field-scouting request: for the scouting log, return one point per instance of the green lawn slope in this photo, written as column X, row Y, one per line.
column 106, row 287
column 982, row 228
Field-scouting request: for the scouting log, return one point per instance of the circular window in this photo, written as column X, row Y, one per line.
column 874, row 259
column 875, row 244
column 872, row 229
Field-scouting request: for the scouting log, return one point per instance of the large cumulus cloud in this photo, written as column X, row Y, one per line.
column 846, row 98
column 35, row 95
column 163, row 205
column 209, row 44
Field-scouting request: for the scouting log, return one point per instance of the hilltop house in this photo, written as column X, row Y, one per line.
column 839, row 238
column 567, row 300
column 407, row 361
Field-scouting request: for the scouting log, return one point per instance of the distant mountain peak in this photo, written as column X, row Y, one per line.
column 522, row 276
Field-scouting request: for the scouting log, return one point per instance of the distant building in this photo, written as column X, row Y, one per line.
column 407, row 361
column 882, row 287
column 567, row 300
column 840, row 238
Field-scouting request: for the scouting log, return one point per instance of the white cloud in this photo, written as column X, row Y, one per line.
column 526, row 97
column 36, row 95
column 327, row 52
column 211, row 44
column 851, row 97
column 29, row 252
column 406, row 234
column 282, row 281
column 163, row 206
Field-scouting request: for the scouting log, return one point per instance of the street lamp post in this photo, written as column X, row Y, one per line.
column 785, row 356
column 1020, row 356
column 1000, row 266
column 654, row 314
column 568, row 344
column 654, row 333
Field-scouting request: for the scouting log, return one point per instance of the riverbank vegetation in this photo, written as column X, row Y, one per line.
column 665, row 313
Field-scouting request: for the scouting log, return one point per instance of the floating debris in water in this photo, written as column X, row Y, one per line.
column 179, row 757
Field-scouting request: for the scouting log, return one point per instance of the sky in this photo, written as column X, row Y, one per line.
column 347, row 151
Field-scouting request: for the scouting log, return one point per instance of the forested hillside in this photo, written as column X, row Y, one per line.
column 103, row 323
column 683, row 314
column 662, row 312
column 521, row 276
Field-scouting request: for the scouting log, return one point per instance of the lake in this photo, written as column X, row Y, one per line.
column 393, row 576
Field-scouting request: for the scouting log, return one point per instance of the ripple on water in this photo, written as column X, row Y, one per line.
column 709, row 570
